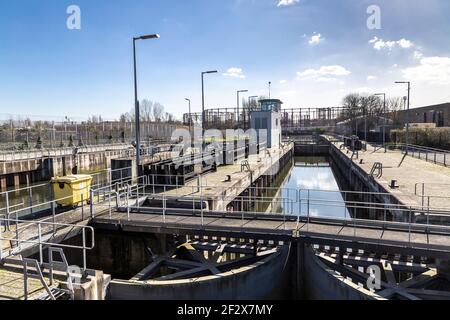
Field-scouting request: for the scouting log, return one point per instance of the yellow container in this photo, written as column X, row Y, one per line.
column 71, row 190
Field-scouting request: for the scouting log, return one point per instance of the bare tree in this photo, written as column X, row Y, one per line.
column 158, row 112
column 146, row 110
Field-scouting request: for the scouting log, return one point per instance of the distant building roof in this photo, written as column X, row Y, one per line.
column 271, row 100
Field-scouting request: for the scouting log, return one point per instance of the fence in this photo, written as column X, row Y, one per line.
column 436, row 156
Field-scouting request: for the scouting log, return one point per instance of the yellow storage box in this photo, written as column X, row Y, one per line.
column 71, row 190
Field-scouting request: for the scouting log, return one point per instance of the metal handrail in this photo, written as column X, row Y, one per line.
column 40, row 241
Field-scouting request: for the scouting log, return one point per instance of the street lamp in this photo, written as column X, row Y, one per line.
column 136, row 102
column 238, row 93
column 407, row 112
column 270, row 84
column 250, row 99
column 189, row 119
column 203, row 106
column 384, row 115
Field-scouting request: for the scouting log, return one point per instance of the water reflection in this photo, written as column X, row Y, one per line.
column 315, row 180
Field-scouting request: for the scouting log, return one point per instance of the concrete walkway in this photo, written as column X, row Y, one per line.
column 408, row 172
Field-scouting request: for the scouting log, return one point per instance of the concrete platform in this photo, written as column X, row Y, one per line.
column 408, row 172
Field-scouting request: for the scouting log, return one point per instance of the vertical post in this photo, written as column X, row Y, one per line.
column 91, row 203
column 136, row 113
column 409, row 231
column 307, row 221
column 30, row 196
column 25, row 280
column 7, row 210
column 109, row 203
column 153, row 183
column 53, row 205
column 82, row 206
column 164, row 205
column 84, row 249
column 201, row 204
column 40, row 243
column 128, row 203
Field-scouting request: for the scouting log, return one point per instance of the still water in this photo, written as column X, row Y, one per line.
column 308, row 178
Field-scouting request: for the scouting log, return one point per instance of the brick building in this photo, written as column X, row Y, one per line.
column 438, row 114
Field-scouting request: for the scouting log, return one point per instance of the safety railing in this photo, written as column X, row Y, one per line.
column 425, row 190
column 301, row 205
column 7, row 156
column 38, row 197
column 436, row 156
column 41, row 234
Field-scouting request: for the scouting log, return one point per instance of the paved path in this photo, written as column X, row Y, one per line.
column 12, row 285
column 408, row 172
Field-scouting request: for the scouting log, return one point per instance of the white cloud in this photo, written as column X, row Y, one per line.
column 362, row 90
column 431, row 70
column 379, row 44
column 324, row 73
column 283, row 81
column 370, row 78
column 315, row 39
column 418, row 55
column 283, row 3
column 235, row 73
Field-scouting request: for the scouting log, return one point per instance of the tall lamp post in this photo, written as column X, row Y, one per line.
column 238, row 93
column 270, row 85
column 384, row 116
column 407, row 112
column 250, row 100
column 203, row 106
column 190, row 123
column 136, row 102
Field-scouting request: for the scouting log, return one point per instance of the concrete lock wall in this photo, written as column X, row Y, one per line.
column 352, row 177
column 260, row 280
column 322, row 283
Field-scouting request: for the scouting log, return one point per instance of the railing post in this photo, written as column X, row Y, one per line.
column 7, row 211
column 153, row 183
column 137, row 193
column 308, row 217
column 109, row 204
column 53, row 206
column 84, row 249
column 30, row 199
column 91, row 205
column 40, row 243
column 409, row 232
column 128, row 203
column 1, row 245
column 82, row 206
column 164, row 206
column 25, row 280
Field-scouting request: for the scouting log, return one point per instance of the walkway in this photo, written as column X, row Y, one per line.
column 409, row 173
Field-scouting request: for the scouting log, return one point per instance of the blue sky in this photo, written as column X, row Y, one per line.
column 313, row 52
